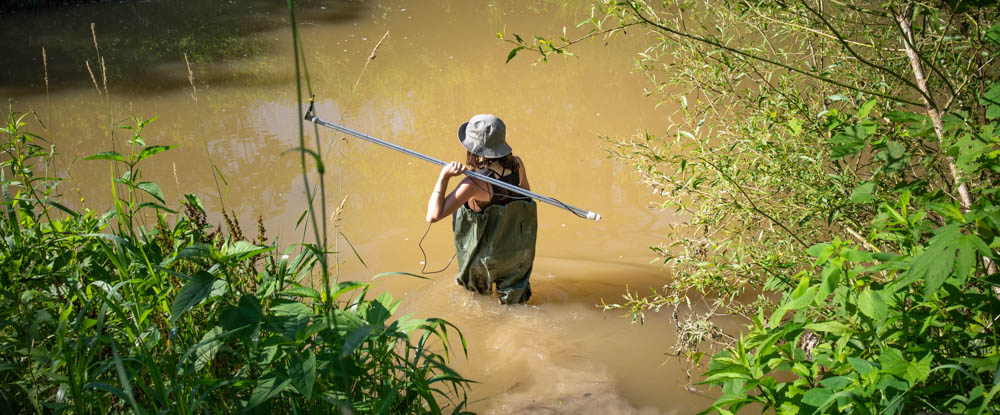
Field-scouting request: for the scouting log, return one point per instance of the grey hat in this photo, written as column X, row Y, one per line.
column 484, row 135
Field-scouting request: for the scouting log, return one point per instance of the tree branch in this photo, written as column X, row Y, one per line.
column 903, row 19
column 766, row 60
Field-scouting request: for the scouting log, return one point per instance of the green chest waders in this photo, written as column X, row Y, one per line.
column 497, row 247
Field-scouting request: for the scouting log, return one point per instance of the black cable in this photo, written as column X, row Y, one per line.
column 423, row 270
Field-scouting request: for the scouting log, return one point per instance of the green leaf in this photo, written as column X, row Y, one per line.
column 833, row 327
column 247, row 314
column 850, row 141
column 801, row 297
column 862, row 366
column 866, row 109
column 305, row 292
column 153, row 189
column 994, row 33
column 836, row 382
column 991, row 99
column 817, row 397
column 513, row 53
column 873, row 305
column 243, row 249
column 820, row 249
column 355, row 339
column 320, row 169
column 795, row 125
column 197, row 250
column 302, row 371
column 896, row 149
column 830, row 280
column 149, row 151
column 893, row 362
column 107, row 155
column 918, row 371
column 208, row 348
column 290, row 308
column 267, row 387
column 864, row 193
column 196, row 290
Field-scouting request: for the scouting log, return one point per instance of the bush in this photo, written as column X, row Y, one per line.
column 98, row 314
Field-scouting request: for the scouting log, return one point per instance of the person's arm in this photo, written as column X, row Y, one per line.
column 522, row 174
column 440, row 206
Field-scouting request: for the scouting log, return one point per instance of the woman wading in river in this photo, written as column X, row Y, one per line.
column 494, row 228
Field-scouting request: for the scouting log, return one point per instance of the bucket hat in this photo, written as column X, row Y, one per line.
column 484, row 135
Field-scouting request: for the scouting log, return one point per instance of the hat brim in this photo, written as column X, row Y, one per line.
column 490, row 153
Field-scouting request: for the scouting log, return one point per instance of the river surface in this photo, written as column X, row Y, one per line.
column 440, row 64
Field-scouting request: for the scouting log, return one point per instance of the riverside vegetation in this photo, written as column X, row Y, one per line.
column 101, row 314
column 838, row 165
column 149, row 309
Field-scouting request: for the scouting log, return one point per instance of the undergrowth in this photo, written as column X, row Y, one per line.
column 100, row 314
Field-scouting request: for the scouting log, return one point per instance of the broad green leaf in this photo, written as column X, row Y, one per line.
column 836, row 382
column 290, row 307
column 246, row 314
column 193, row 292
column 896, row 150
column 801, row 297
column 918, row 371
column 107, row 155
column 355, row 339
column 965, row 258
column 873, row 305
column 866, row 109
column 267, row 387
column 991, row 100
column 819, row 250
column 207, row 348
column 302, row 371
column 830, row 280
column 864, row 193
column 850, row 141
column 862, row 366
column 345, row 286
column 834, row 327
column 817, row 397
column 300, row 291
column 243, row 249
column 197, row 250
column 893, row 362
column 795, row 125
column 153, row 189
column 994, row 33
column 149, row 151
column 855, row 255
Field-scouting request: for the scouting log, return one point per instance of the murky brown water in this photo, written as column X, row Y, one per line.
column 441, row 63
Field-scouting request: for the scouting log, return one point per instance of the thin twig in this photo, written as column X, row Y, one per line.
column 766, row 60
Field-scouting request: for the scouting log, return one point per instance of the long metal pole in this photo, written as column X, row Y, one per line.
column 554, row 202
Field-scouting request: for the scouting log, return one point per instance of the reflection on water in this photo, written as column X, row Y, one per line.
column 440, row 64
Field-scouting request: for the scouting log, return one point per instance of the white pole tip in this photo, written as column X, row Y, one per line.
column 593, row 216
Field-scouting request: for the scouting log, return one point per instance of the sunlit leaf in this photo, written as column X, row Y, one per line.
column 302, row 372
column 267, row 387
column 153, row 189
column 107, row 155
column 193, row 292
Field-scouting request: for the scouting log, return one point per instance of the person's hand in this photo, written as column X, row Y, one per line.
column 452, row 169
